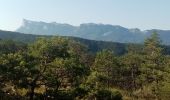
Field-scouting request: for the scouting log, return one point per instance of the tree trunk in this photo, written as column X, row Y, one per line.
column 32, row 92
column 132, row 76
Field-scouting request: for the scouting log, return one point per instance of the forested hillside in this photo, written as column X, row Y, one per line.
column 63, row 68
column 93, row 46
column 8, row 35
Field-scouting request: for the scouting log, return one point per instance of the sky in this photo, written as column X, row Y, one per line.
column 143, row 14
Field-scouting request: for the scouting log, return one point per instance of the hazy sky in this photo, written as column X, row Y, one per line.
column 143, row 14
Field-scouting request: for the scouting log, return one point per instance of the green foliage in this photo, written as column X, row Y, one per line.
column 131, row 71
column 103, row 94
column 61, row 68
column 108, row 95
column 80, row 92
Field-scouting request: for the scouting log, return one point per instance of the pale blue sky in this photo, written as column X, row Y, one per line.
column 143, row 14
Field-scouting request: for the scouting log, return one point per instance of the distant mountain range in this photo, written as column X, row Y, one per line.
column 103, row 32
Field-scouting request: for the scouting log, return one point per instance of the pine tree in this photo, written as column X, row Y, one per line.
column 154, row 65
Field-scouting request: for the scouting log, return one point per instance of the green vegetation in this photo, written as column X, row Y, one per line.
column 65, row 69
